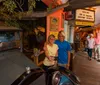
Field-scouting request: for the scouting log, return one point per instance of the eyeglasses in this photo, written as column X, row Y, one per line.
column 60, row 36
column 52, row 39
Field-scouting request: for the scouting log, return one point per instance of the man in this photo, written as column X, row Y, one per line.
column 63, row 51
column 91, row 44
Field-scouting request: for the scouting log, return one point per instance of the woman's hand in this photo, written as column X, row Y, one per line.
column 50, row 58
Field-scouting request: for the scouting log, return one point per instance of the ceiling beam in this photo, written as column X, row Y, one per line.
column 78, row 4
column 43, row 13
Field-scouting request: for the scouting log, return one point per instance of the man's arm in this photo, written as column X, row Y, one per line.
column 69, row 54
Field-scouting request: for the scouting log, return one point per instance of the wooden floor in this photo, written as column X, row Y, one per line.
column 87, row 71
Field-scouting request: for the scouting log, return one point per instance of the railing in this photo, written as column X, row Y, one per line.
column 38, row 57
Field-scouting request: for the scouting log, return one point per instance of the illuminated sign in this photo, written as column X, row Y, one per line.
column 85, row 15
column 84, row 23
column 69, row 15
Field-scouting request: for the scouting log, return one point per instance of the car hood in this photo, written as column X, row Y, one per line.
column 12, row 65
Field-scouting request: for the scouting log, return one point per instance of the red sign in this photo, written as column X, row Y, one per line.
column 47, row 2
column 52, row 3
column 69, row 15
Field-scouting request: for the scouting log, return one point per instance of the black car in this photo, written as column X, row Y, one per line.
column 17, row 69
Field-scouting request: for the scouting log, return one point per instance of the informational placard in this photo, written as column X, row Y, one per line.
column 54, row 23
column 70, row 15
column 85, row 15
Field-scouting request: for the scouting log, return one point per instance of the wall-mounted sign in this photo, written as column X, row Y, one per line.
column 54, row 23
column 85, row 15
column 69, row 15
column 84, row 23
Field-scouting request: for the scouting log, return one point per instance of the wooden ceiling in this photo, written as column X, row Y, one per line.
column 76, row 4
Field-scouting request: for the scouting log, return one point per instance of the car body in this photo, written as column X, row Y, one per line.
column 13, row 63
column 17, row 69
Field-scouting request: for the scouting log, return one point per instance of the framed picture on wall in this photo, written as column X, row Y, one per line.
column 54, row 23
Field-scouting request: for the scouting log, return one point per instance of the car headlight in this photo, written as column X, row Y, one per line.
column 65, row 81
column 56, row 78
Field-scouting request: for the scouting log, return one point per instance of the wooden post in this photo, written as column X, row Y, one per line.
column 36, row 60
column 21, row 41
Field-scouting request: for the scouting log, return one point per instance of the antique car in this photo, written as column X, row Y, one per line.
column 17, row 69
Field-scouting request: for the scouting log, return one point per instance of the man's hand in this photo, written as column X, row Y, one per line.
column 67, row 66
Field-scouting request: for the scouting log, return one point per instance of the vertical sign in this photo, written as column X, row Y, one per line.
column 54, row 24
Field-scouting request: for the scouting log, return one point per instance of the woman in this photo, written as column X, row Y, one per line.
column 50, row 52
column 97, row 46
column 63, row 51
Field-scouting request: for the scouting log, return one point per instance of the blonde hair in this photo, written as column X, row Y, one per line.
column 50, row 36
column 61, row 32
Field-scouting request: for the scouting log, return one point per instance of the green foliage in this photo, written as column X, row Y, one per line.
column 31, row 4
column 9, row 5
column 12, row 23
column 49, row 8
column 23, row 24
column 7, row 9
column 13, row 18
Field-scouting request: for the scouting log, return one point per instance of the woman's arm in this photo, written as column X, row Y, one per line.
column 46, row 51
column 41, row 52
